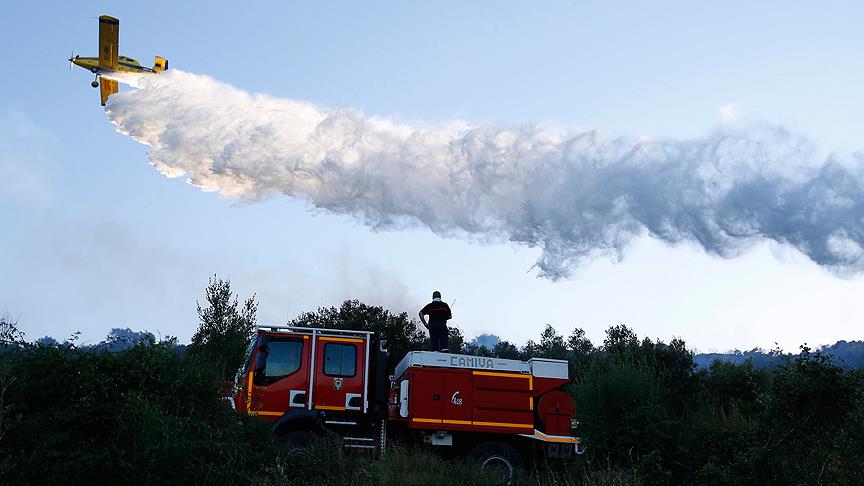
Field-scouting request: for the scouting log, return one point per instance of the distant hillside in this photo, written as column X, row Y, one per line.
column 845, row 353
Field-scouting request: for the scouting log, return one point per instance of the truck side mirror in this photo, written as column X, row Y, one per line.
column 261, row 360
column 263, row 341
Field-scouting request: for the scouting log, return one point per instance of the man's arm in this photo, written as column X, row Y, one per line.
column 423, row 320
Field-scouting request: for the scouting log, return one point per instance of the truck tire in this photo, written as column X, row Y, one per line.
column 298, row 440
column 499, row 458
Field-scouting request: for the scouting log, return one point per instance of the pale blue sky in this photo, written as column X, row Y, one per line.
column 94, row 238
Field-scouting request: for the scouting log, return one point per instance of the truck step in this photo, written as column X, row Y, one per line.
column 359, row 442
column 339, row 422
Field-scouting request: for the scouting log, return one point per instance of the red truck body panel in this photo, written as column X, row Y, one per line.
column 457, row 396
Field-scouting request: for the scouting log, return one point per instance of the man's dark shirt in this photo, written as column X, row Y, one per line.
column 438, row 312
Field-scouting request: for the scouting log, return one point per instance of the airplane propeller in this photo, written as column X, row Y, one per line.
column 72, row 55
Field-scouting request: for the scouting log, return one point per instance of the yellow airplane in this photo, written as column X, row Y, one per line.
column 109, row 62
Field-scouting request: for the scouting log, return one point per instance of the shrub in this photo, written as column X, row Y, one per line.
column 137, row 416
column 811, row 425
column 622, row 412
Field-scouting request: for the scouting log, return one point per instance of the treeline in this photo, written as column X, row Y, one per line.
column 151, row 414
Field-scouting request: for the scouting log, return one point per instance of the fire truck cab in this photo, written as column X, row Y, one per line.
column 310, row 381
column 306, row 369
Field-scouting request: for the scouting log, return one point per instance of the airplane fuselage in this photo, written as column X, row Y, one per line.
column 124, row 65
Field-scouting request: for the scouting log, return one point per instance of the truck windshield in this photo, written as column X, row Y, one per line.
column 283, row 358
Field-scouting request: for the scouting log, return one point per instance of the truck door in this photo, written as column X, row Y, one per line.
column 340, row 371
column 424, row 396
column 457, row 400
column 281, row 375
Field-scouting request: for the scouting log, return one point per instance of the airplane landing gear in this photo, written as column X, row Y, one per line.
column 94, row 70
column 95, row 84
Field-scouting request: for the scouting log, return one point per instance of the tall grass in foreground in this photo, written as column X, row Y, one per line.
column 326, row 463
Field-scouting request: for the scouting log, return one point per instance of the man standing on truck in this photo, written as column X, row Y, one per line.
column 439, row 313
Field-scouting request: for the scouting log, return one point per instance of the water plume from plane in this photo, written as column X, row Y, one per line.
column 573, row 195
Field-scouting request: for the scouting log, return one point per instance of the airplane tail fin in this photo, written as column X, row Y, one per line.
column 160, row 65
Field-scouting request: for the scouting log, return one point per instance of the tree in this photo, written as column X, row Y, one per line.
column 578, row 343
column 530, row 350
column 472, row 349
column 456, row 340
column 580, row 350
column 401, row 333
column 734, row 387
column 9, row 333
column 506, row 350
column 119, row 339
column 225, row 329
column 552, row 344
column 47, row 342
column 621, row 342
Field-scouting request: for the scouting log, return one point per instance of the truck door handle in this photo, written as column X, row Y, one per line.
column 436, row 397
column 297, row 399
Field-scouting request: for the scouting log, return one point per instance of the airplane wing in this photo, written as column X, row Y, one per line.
column 107, row 87
column 109, row 32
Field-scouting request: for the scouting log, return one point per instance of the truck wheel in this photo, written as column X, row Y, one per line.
column 297, row 440
column 499, row 458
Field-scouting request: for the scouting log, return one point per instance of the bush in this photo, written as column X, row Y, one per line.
column 137, row 416
column 812, row 424
column 622, row 413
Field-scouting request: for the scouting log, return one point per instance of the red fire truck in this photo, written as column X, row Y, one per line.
column 334, row 383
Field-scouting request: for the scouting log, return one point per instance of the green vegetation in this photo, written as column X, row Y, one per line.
column 150, row 414
column 225, row 329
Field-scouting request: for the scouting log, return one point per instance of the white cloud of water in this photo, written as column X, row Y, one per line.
column 574, row 195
